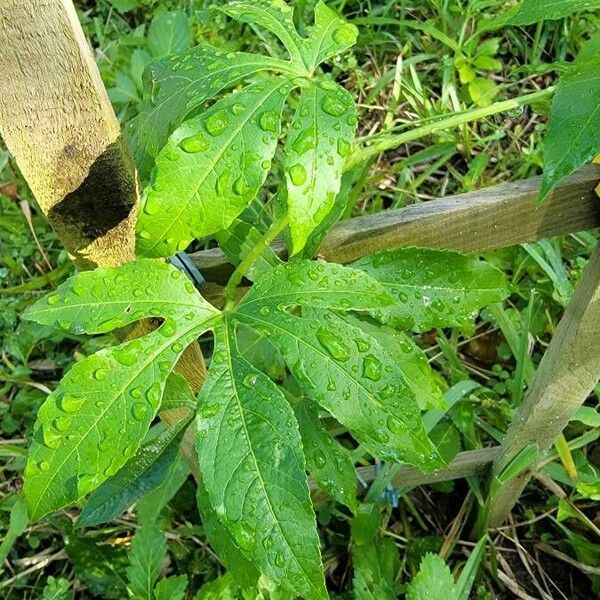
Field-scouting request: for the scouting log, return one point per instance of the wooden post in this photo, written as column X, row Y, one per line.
column 565, row 377
column 58, row 123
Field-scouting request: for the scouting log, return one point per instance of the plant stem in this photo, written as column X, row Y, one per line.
column 276, row 228
column 391, row 141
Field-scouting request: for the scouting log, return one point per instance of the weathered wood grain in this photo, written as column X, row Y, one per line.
column 568, row 372
column 464, row 464
column 58, row 123
column 490, row 218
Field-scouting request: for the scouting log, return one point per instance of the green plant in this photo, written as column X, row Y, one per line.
column 335, row 327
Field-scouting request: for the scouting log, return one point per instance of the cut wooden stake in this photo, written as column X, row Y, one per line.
column 58, row 123
column 565, row 377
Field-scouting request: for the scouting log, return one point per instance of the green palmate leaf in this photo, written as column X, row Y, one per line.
column 327, row 460
column 412, row 361
column 329, row 36
column 574, row 126
column 274, row 16
column 146, row 556
column 317, row 146
column 95, row 420
column 530, row 11
column 433, row 288
column 211, row 168
column 391, row 427
column 175, row 86
column 433, row 580
column 171, row 588
column 250, row 456
column 143, row 472
column 243, row 571
column 338, row 365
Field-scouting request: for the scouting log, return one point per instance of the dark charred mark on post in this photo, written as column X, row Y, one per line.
column 102, row 201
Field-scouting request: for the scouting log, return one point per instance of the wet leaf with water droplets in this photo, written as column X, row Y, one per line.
column 177, row 85
column 231, row 556
column 90, row 426
column 316, row 148
column 330, row 35
column 144, row 471
column 273, row 15
column 327, row 460
column 252, row 463
column 218, row 170
column 359, row 384
column 411, row 360
column 433, row 288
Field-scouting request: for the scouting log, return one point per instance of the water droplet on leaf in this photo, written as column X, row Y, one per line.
column 217, row 123
column 269, row 121
column 138, row 410
column 210, row 410
column 70, row 403
column 343, row 147
column 372, row 368
column 297, row 174
column 395, row 425
column 126, row 356
column 305, row 141
column 250, row 380
column 237, row 109
column 100, row 374
column 334, row 106
column 194, row 143
column 334, row 344
column 319, row 458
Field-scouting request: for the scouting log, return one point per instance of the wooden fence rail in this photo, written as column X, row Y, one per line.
column 495, row 217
